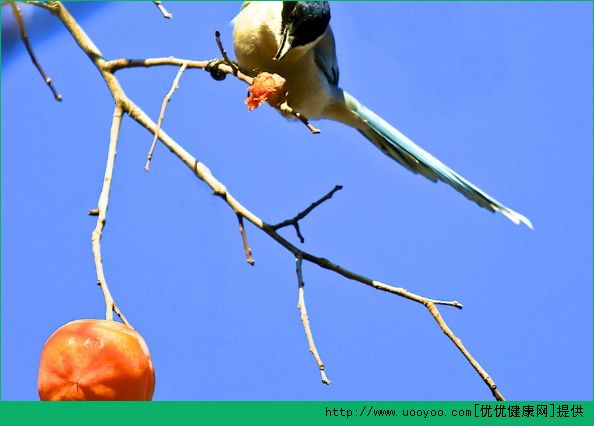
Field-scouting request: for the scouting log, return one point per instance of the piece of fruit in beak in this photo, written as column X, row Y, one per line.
column 266, row 87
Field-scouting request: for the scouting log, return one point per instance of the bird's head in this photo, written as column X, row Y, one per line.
column 303, row 23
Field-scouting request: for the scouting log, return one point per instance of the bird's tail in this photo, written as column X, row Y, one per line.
column 400, row 148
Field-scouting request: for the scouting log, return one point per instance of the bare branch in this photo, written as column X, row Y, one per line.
column 23, row 32
column 305, row 321
column 224, row 53
column 480, row 370
column 286, row 109
column 162, row 9
column 295, row 221
column 166, row 100
column 123, row 103
column 102, row 205
column 248, row 251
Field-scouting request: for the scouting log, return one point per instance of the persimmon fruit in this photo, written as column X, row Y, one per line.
column 92, row 359
column 266, row 87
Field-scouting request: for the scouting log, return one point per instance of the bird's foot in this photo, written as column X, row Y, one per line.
column 213, row 69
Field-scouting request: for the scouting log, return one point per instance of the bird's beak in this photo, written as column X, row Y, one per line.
column 285, row 46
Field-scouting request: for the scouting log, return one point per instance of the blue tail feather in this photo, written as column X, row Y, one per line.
column 400, row 148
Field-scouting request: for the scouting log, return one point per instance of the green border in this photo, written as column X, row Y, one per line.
column 288, row 413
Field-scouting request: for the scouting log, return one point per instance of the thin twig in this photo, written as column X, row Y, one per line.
column 295, row 221
column 102, row 205
column 23, row 32
column 248, row 251
column 163, row 10
column 166, row 100
column 107, row 68
column 305, row 321
column 480, row 370
column 224, row 53
column 122, row 63
column 286, row 109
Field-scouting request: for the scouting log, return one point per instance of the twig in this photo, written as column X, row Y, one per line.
column 107, row 69
column 122, row 63
column 102, row 205
column 224, row 53
column 305, row 321
column 163, row 10
column 295, row 221
column 480, row 370
column 23, row 32
column 286, row 109
column 248, row 251
column 166, row 100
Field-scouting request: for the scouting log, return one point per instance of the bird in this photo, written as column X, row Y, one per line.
column 294, row 39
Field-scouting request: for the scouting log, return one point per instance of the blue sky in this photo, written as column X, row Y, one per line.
column 501, row 92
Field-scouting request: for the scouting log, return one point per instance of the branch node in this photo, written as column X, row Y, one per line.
column 295, row 220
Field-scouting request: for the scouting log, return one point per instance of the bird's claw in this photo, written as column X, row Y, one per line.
column 214, row 71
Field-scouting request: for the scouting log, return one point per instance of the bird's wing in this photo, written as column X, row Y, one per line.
column 325, row 57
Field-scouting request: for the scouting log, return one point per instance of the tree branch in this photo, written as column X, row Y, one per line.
column 480, row 370
column 23, row 32
column 162, row 9
column 102, row 205
column 248, row 251
column 107, row 70
column 295, row 221
column 166, row 100
column 305, row 321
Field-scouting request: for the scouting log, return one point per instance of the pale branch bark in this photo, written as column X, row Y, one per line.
column 480, row 370
column 295, row 221
column 102, row 205
column 107, row 70
column 166, row 100
column 162, row 9
column 305, row 320
column 25, row 38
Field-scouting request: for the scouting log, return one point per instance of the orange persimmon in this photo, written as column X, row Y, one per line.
column 266, row 87
column 91, row 359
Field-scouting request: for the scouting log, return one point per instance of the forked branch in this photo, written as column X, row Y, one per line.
column 295, row 221
column 126, row 105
